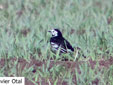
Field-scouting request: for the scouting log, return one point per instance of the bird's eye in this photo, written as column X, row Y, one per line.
column 54, row 33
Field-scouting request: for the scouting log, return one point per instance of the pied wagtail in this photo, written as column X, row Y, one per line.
column 58, row 42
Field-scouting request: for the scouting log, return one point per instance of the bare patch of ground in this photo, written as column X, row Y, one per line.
column 22, row 64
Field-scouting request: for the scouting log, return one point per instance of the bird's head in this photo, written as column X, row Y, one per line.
column 55, row 33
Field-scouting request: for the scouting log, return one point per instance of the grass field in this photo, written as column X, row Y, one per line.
column 24, row 41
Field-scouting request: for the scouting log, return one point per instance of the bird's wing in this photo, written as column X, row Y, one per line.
column 63, row 44
column 68, row 45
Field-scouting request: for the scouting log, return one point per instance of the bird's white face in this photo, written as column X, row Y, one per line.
column 54, row 33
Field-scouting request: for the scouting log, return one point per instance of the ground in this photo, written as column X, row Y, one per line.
column 73, row 66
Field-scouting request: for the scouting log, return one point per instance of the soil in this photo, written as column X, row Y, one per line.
column 22, row 63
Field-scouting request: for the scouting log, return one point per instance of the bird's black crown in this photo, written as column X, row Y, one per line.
column 56, row 33
column 59, row 33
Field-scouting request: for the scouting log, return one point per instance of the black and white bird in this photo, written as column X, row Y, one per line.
column 59, row 43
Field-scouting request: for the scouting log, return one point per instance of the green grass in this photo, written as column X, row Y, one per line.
column 23, row 33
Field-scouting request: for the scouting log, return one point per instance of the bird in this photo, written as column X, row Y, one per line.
column 58, row 43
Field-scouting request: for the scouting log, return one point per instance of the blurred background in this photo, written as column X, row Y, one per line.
column 87, row 24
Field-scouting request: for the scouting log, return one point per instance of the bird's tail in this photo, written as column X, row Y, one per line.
column 78, row 52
